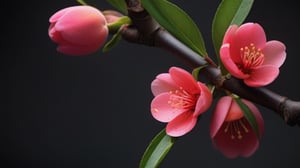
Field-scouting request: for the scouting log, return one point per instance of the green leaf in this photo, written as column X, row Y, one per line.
column 196, row 71
column 157, row 150
column 112, row 42
column 119, row 4
column 248, row 115
column 229, row 12
column 115, row 26
column 177, row 22
column 82, row 2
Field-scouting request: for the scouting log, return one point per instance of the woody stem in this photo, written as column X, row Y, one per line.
column 145, row 30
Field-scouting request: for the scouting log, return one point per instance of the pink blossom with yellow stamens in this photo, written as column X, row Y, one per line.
column 179, row 100
column 247, row 55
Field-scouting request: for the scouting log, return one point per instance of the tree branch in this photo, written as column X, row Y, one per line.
column 145, row 30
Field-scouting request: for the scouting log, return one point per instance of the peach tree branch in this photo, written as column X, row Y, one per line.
column 145, row 30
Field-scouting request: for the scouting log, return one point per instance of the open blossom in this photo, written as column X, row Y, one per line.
column 247, row 55
column 78, row 30
column 231, row 132
column 179, row 100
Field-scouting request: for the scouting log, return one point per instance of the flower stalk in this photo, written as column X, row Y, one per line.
column 115, row 26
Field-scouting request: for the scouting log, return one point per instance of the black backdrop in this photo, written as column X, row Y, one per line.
column 86, row 112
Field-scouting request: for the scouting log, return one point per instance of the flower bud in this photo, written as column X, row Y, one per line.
column 78, row 30
column 112, row 16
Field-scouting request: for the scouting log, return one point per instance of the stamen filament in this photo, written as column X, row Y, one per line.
column 236, row 128
column 251, row 57
column 182, row 99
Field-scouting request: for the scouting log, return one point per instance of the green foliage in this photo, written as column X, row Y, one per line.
column 229, row 12
column 82, row 2
column 112, row 42
column 248, row 115
column 177, row 22
column 196, row 71
column 115, row 26
column 157, row 150
column 119, row 4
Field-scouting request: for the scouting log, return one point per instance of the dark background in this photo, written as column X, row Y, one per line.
column 59, row 111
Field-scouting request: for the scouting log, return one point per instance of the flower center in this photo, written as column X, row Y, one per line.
column 251, row 57
column 236, row 128
column 181, row 99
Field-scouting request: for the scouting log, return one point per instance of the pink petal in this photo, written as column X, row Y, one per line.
column 232, row 148
column 204, row 101
column 219, row 114
column 229, row 34
column 229, row 64
column 184, row 79
column 257, row 115
column 59, row 13
column 181, row 125
column 246, row 34
column 262, row 76
column 274, row 53
column 112, row 15
column 163, row 83
column 82, row 19
column 249, row 149
column 223, row 144
column 249, row 142
column 161, row 109
column 252, row 143
column 234, row 112
column 55, row 35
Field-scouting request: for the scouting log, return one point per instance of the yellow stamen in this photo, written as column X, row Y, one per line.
column 236, row 128
column 251, row 57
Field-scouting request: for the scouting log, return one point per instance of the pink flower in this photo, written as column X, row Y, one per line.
column 78, row 30
column 179, row 100
column 231, row 132
column 247, row 55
